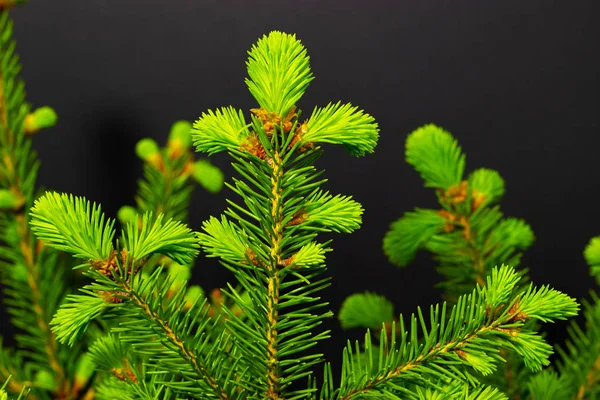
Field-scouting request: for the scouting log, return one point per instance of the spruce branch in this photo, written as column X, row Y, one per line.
column 271, row 247
column 73, row 224
column 410, row 233
column 365, row 310
column 168, row 174
column 466, row 339
column 436, row 155
column 170, row 238
column 469, row 235
column 579, row 358
column 222, row 130
column 279, row 72
column 31, row 298
column 547, row 385
column 592, row 257
column 341, row 124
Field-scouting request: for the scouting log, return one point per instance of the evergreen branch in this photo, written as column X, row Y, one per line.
column 12, row 371
column 166, row 187
column 171, row 328
column 579, row 358
column 592, row 257
column 487, row 186
column 171, row 238
column 411, row 232
column 72, row 318
column 469, row 337
column 468, row 235
column 220, row 130
column 341, row 124
column 30, row 300
column 336, row 213
column 579, row 362
column 271, row 249
column 547, row 385
column 74, row 225
column 366, row 310
column 279, row 72
column 31, row 303
column 436, row 155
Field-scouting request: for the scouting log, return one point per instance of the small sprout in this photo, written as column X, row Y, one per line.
column 180, row 138
column 148, row 150
column 207, row 175
column 45, row 379
column 84, row 369
column 9, row 200
column 43, row 117
column 192, row 294
column 127, row 214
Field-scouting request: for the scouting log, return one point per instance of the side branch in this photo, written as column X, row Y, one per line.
column 435, row 352
column 175, row 339
column 33, row 279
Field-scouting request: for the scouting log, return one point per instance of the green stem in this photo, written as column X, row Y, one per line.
column 274, row 281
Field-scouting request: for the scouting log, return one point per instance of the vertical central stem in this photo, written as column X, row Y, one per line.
column 274, row 282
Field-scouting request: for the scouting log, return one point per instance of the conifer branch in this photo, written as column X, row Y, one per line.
column 489, row 319
column 469, row 235
column 166, row 187
column 18, row 170
column 271, row 247
column 579, row 361
column 187, row 353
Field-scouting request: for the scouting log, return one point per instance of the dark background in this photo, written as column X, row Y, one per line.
column 515, row 81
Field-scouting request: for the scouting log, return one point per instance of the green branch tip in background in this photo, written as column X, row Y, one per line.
column 41, row 118
column 436, row 155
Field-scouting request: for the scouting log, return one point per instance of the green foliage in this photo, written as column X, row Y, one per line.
column 74, row 225
column 592, row 257
column 435, row 154
column 335, row 213
column 468, row 235
column 456, row 343
column 410, row 233
column 367, row 310
column 41, row 118
column 170, row 238
column 271, row 248
column 36, row 277
column 279, row 72
column 146, row 149
column 168, row 172
column 341, row 124
column 223, row 129
column 146, row 335
column 72, row 318
column 547, row 385
column 487, row 183
column 209, row 176
column 33, row 277
column 578, row 365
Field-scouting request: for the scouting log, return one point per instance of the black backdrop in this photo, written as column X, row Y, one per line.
column 515, row 81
